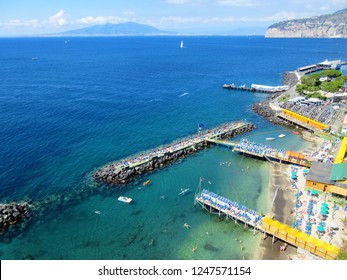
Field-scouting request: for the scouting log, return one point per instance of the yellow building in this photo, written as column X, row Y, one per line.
column 299, row 239
column 327, row 177
column 304, row 120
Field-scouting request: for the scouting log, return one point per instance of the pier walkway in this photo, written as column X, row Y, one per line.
column 120, row 171
column 216, row 204
column 257, row 88
column 227, row 144
column 320, row 66
column 271, row 154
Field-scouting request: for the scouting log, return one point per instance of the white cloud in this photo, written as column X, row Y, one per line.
column 21, row 23
column 58, row 19
column 181, row 19
column 101, row 20
column 281, row 16
column 238, row 3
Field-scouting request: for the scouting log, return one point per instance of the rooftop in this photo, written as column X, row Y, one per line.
column 320, row 172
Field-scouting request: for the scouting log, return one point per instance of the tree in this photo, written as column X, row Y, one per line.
column 331, row 73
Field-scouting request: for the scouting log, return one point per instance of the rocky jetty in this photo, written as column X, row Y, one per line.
column 263, row 108
column 110, row 175
column 11, row 214
column 116, row 174
column 324, row 26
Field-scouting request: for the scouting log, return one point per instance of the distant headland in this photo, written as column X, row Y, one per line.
column 115, row 29
column 324, row 26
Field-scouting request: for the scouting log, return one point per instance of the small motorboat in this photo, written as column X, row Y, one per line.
column 281, row 135
column 184, row 191
column 125, row 199
column 269, row 139
column 146, row 183
column 296, row 132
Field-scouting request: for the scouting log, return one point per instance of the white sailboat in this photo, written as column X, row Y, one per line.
column 181, row 46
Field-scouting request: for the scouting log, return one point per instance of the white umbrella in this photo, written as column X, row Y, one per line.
column 333, row 225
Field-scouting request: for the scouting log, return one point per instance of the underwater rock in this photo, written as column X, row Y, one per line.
column 210, row 247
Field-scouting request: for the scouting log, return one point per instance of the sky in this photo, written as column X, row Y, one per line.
column 34, row 17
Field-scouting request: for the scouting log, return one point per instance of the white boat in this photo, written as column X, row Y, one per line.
column 125, row 199
column 184, row 191
column 35, row 58
column 269, row 139
column 181, row 46
column 281, row 135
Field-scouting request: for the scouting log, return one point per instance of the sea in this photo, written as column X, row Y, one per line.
column 86, row 101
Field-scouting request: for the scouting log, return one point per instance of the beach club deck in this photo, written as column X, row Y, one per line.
column 216, row 204
column 269, row 153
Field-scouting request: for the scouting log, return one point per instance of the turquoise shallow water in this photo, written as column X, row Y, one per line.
column 94, row 100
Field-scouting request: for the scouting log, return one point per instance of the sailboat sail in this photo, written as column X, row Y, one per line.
column 181, row 44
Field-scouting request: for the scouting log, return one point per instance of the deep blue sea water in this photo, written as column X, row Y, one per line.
column 89, row 101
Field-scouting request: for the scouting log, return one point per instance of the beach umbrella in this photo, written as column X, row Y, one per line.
column 320, row 228
column 324, row 204
column 324, row 212
column 314, row 192
column 333, row 225
column 305, row 171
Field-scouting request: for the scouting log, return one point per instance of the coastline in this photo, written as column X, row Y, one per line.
column 281, row 208
column 280, row 198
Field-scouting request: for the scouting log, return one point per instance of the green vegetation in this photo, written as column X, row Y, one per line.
column 342, row 255
column 315, row 95
column 284, row 98
column 330, row 73
column 311, row 83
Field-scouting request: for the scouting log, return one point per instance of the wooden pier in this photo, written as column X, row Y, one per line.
column 319, row 66
column 256, row 88
column 217, row 204
column 242, row 215
column 274, row 155
column 121, row 171
column 227, row 144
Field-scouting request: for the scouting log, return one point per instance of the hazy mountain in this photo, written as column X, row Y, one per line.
column 120, row 29
column 325, row 26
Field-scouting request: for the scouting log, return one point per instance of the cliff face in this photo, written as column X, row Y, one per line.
column 325, row 26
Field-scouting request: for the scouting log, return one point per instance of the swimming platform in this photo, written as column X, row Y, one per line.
column 232, row 210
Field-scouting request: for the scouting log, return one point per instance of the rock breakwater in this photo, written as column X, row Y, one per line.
column 121, row 172
column 11, row 214
column 263, row 108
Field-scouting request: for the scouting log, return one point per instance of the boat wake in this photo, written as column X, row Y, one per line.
column 154, row 100
column 183, row 94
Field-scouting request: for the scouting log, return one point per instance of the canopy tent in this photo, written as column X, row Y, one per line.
column 314, row 192
column 295, row 155
column 320, row 228
column 323, row 207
